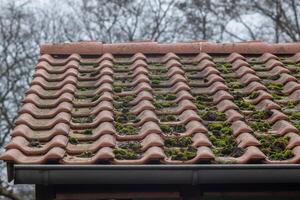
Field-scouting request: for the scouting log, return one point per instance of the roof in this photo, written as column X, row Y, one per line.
column 145, row 102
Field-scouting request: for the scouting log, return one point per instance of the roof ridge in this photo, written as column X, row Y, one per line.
column 150, row 47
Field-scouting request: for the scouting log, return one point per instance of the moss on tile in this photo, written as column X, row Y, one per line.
column 118, row 89
column 161, row 105
column 244, row 105
column 225, row 145
column 295, row 116
column 261, row 126
column 212, row 115
column 275, row 86
column 254, row 95
column 168, row 118
column 134, row 146
column 125, row 154
column 275, row 147
column 183, row 141
column 82, row 120
column 235, row 85
column 73, row 140
column 95, row 97
column 276, row 96
column 181, row 153
column 261, row 114
column 170, row 97
column 86, row 154
column 220, row 128
column 125, row 129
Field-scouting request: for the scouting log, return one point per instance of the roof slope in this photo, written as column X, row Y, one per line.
column 136, row 103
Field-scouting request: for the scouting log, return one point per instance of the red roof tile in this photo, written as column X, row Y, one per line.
column 144, row 102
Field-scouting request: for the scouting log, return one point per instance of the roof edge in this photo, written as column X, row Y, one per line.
column 149, row 47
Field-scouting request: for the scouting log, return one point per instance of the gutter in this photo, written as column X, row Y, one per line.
column 156, row 174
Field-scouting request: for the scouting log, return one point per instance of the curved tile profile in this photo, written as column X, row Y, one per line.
column 41, row 135
column 81, row 109
column 33, row 147
column 104, row 154
column 18, row 157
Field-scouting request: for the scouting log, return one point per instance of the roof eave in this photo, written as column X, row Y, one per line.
column 156, row 174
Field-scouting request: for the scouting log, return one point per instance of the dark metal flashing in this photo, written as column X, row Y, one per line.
column 156, row 174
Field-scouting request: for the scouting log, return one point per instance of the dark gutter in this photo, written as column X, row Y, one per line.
column 156, row 174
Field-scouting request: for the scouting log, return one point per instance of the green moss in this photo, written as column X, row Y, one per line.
column 125, row 129
column 96, row 97
column 235, row 85
column 168, row 118
column 225, row 68
column 179, row 128
column 156, row 64
column 244, row 105
column 183, row 141
column 170, row 97
column 276, row 96
column 181, row 153
column 213, row 116
column 275, row 86
column 261, row 126
column 254, row 95
column 166, row 128
column 201, row 98
column 261, row 115
column 73, row 140
column 124, row 154
column 84, row 132
column 217, row 127
column 200, row 106
column 83, row 89
column 126, row 116
column 225, row 145
column 83, row 120
column 131, row 145
column 155, row 82
column 86, row 154
column 161, row 105
column 275, row 147
column 297, row 126
column 118, row 89
column 295, row 116
column 87, row 132
column 290, row 104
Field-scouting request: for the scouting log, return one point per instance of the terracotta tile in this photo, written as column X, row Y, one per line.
column 138, row 56
column 32, row 148
column 70, row 112
column 41, row 135
column 17, row 156
column 106, row 140
column 283, row 127
column 200, row 57
column 235, row 56
column 238, row 63
column 266, row 57
column 239, row 127
column 104, row 154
